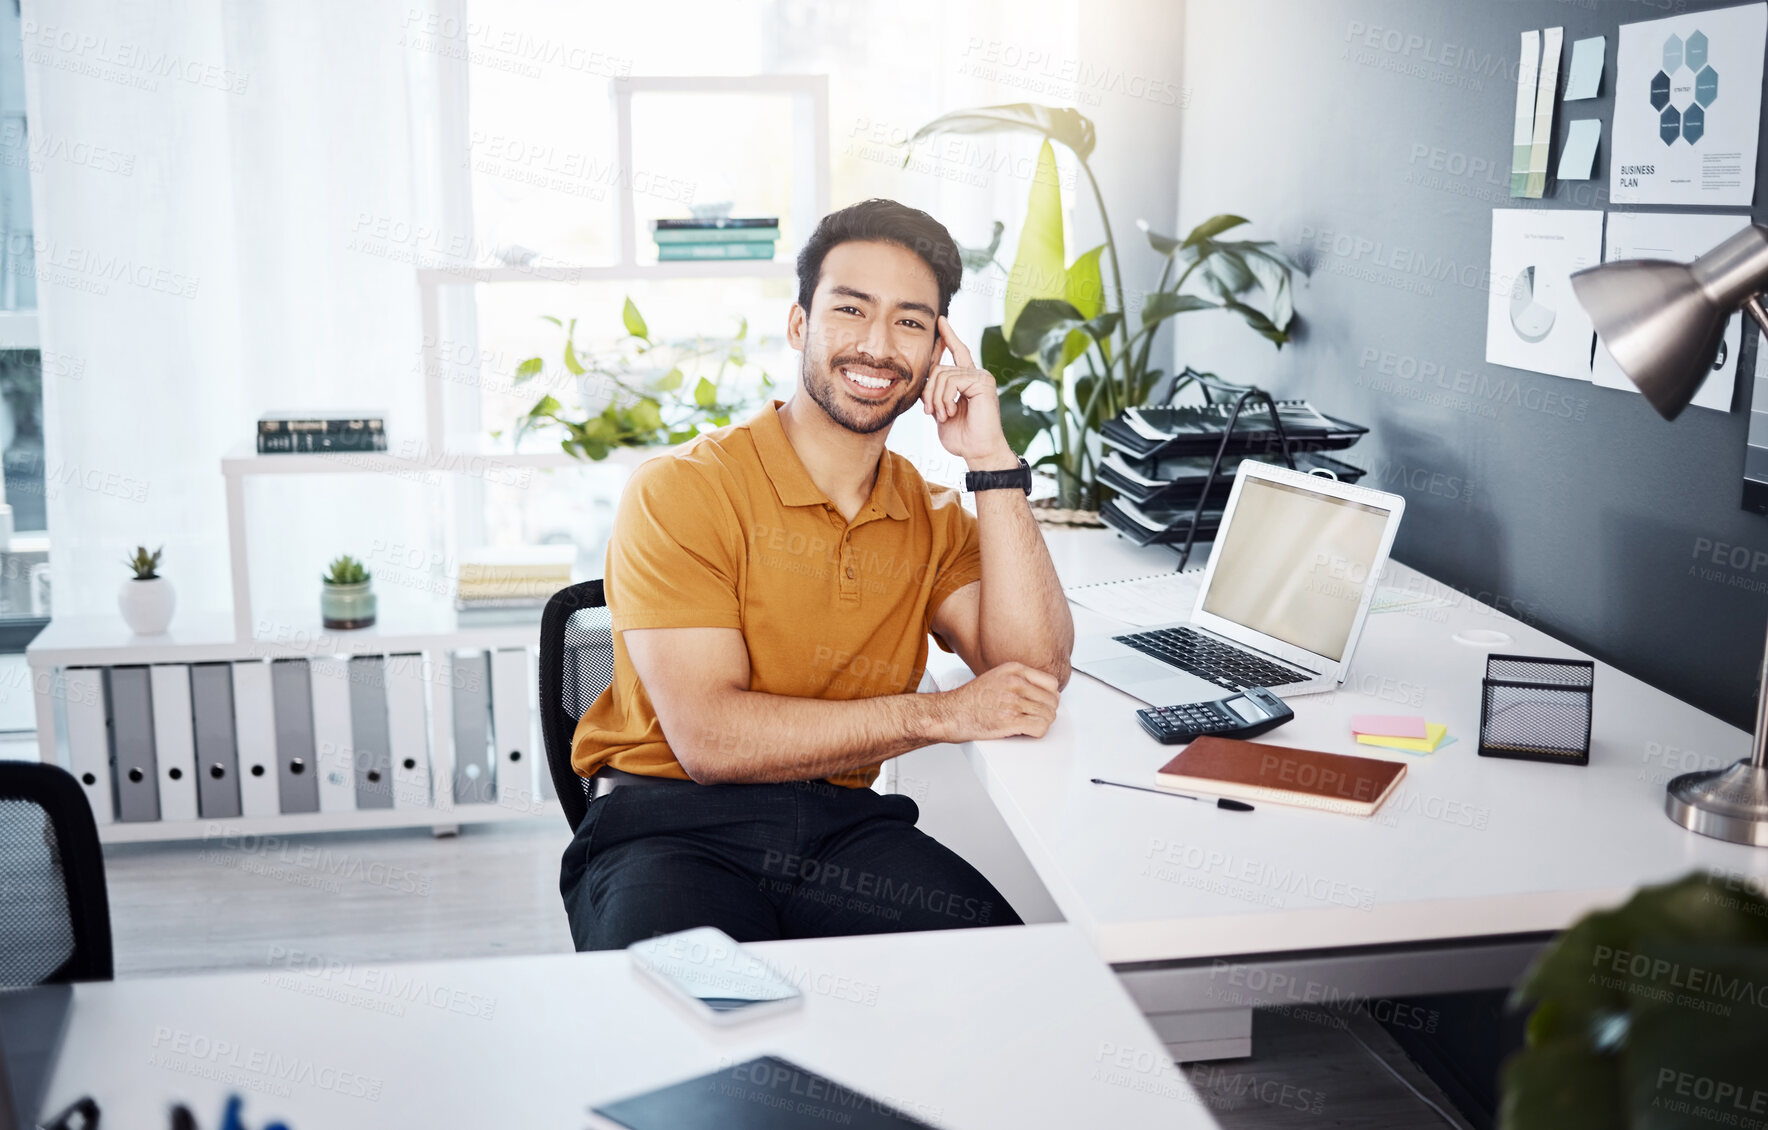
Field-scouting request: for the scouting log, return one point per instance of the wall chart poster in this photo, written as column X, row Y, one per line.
column 1688, row 108
column 1680, row 237
column 1532, row 319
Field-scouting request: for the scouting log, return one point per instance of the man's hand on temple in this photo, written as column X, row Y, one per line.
column 963, row 401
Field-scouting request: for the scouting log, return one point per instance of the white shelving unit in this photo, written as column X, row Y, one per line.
column 432, row 630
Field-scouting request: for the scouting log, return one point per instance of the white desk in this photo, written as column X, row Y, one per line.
column 1473, row 853
column 966, row 1028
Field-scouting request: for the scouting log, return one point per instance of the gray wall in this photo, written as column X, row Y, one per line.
column 1573, row 507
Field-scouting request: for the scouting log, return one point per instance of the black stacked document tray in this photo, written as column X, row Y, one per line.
column 1161, row 462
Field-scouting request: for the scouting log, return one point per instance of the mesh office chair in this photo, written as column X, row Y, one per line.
column 54, row 912
column 576, row 665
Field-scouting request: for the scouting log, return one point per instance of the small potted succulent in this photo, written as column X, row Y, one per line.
column 146, row 600
column 345, row 599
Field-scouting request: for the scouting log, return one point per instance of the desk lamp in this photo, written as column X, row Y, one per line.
column 1663, row 323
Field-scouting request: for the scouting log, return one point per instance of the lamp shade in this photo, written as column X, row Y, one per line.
column 1663, row 321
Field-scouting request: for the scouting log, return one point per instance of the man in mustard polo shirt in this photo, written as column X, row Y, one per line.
column 772, row 585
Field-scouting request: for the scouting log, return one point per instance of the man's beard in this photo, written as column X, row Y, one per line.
column 852, row 413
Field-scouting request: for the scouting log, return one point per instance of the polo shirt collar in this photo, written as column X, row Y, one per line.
column 793, row 483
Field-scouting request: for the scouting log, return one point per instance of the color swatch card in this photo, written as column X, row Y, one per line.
column 1681, row 238
column 1545, row 91
column 1522, row 139
column 1688, row 108
column 1533, row 321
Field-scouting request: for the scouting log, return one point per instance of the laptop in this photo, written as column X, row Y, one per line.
column 1281, row 602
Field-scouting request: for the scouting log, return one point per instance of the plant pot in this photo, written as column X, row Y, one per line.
column 346, row 606
column 147, row 605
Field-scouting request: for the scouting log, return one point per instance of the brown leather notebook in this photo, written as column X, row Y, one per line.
column 1308, row 778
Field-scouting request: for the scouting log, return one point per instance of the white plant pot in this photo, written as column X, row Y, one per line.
column 146, row 605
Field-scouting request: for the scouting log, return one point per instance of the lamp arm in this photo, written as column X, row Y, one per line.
column 1759, row 743
column 1754, row 305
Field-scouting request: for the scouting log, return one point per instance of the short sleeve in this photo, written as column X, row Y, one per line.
column 673, row 558
column 959, row 552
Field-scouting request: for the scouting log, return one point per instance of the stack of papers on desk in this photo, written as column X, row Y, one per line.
column 1400, row 731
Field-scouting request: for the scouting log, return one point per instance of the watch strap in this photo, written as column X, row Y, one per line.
column 1019, row 478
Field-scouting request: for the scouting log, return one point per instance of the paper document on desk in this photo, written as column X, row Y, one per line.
column 1405, row 600
column 1142, row 601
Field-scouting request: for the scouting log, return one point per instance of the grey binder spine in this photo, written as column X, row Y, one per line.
column 217, row 759
column 371, row 760
column 134, row 768
column 297, row 777
column 475, row 765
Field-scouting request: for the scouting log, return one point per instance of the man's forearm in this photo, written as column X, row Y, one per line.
column 1024, row 615
column 748, row 737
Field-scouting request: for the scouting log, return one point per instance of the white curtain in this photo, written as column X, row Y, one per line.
column 255, row 257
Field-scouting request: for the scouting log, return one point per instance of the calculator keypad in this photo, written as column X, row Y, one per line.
column 1170, row 724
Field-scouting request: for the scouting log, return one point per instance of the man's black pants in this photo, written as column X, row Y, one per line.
column 761, row 862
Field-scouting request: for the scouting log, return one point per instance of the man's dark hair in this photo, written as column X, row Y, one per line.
column 884, row 221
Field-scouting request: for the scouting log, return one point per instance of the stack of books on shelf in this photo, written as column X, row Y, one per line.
column 729, row 237
column 504, row 586
column 1158, row 461
column 281, row 433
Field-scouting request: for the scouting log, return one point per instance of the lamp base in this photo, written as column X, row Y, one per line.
column 1727, row 804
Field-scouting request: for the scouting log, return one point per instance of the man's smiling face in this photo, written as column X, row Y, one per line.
column 869, row 337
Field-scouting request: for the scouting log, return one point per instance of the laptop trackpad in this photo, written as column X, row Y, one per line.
column 1129, row 669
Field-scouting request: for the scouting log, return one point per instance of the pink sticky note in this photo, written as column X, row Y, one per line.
column 1389, row 725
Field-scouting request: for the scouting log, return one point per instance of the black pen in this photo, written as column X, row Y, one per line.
column 1218, row 801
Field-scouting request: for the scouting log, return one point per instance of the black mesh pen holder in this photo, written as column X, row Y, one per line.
column 1536, row 709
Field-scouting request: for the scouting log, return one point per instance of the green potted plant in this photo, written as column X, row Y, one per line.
column 1651, row 1015
column 146, row 599
column 345, row 598
column 644, row 391
column 1067, row 338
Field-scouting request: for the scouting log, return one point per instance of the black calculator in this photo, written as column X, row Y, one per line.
column 1245, row 715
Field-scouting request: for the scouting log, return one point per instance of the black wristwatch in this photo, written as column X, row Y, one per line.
column 1018, row 478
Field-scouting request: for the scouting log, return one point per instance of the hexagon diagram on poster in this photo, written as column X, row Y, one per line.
column 1533, row 321
column 1688, row 107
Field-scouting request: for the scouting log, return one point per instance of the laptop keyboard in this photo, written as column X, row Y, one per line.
column 1220, row 663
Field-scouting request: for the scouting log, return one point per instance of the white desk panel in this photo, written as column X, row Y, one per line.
column 1012, row 1026
column 1468, row 847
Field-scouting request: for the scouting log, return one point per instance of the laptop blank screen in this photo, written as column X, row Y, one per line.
column 1293, row 564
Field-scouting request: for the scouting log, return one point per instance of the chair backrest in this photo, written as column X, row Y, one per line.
column 54, row 912
column 576, row 666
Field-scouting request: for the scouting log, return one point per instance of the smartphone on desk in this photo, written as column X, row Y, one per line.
column 706, row 971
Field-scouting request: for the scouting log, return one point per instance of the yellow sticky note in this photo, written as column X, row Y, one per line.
column 1433, row 734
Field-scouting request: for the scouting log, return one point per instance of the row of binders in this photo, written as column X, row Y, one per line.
column 263, row 737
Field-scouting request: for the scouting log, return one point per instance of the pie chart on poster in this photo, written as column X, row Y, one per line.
column 1531, row 320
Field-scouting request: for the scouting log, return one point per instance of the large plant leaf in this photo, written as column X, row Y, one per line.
column 1058, row 123
column 1084, row 288
column 1257, row 320
column 1037, row 320
column 976, row 258
column 1630, row 999
column 634, row 321
column 1039, row 269
column 1013, row 375
column 1162, row 244
column 1163, row 304
column 1561, row 1087
column 1213, row 227
column 1060, row 348
column 1022, row 425
column 1228, row 272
